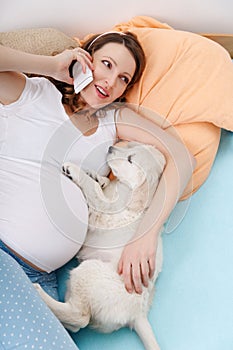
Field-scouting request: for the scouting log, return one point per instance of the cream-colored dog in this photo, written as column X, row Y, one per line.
column 96, row 293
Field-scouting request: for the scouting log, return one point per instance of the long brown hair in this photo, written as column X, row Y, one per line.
column 127, row 39
column 92, row 45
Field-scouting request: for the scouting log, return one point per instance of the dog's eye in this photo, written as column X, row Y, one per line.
column 130, row 159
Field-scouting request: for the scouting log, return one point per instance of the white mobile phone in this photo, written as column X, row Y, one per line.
column 81, row 80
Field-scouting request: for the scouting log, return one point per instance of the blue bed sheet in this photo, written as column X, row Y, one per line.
column 193, row 303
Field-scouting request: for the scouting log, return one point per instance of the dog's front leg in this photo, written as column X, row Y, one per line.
column 103, row 181
column 92, row 186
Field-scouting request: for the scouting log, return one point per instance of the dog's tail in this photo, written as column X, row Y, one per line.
column 146, row 334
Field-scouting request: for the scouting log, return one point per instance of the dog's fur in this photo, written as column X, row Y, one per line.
column 96, row 293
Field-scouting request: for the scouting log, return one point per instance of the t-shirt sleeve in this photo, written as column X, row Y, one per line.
column 35, row 89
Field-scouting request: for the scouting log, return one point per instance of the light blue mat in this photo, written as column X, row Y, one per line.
column 193, row 304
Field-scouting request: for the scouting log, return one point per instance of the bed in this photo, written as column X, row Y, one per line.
column 193, row 304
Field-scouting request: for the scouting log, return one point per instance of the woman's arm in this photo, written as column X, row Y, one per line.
column 137, row 263
column 12, row 61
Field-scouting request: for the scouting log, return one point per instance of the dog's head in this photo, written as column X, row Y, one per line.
column 134, row 163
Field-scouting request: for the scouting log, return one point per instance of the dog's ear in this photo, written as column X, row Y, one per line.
column 160, row 158
column 132, row 144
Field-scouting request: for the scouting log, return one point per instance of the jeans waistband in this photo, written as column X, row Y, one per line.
column 20, row 261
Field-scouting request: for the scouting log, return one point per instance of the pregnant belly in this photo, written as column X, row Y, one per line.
column 43, row 221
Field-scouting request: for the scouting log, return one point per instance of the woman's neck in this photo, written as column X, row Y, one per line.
column 85, row 120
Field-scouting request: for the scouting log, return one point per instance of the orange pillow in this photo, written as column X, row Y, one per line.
column 188, row 81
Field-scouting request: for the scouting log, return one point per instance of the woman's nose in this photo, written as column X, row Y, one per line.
column 111, row 81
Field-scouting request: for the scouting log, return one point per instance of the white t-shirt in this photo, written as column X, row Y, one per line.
column 43, row 215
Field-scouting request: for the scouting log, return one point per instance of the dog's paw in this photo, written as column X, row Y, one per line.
column 44, row 296
column 70, row 170
column 103, row 181
column 38, row 287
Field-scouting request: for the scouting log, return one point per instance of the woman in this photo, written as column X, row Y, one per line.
column 34, row 229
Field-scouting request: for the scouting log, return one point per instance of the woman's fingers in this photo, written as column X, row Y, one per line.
column 136, row 274
column 127, row 275
column 137, row 277
column 145, row 272
column 151, row 263
column 84, row 58
column 64, row 61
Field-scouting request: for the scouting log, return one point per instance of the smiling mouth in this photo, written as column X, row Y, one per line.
column 101, row 92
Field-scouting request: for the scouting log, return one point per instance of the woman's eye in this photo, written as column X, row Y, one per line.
column 107, row 64
column 125, row 79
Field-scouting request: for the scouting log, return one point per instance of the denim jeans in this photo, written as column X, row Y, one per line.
column 48, row 281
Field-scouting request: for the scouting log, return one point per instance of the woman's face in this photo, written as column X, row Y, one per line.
column 114, row 67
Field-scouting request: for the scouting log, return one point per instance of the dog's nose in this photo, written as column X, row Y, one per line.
column 110, row 150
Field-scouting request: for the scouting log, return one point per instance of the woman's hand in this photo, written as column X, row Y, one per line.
column 12, row 60
column 64, row 60
column 137, row 262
